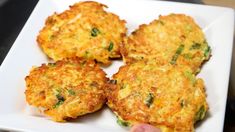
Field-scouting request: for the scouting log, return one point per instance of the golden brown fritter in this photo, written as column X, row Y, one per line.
column 85, row 30
column 174, row 39
column 66, row 89
column 169, row 97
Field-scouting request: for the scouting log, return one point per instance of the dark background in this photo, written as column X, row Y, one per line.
column 14, row 14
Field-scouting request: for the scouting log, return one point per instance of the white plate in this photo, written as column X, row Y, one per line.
column 216, row 22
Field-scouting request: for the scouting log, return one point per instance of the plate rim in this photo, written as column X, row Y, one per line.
column 5, row 61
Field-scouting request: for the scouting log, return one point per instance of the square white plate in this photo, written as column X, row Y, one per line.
column 216, row 22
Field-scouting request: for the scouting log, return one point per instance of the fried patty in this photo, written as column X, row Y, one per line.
column 173, row 39
column 66, row 89
column 169, row 97
column 85, row 30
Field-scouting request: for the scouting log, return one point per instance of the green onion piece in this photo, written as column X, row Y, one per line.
column 51, row 37
column 182, row 103
column 59, row 97
column 161, row 22
column 177, row 53
column 205, row 42
column 60, row 101
column 123, row 86
column 71, row 92
column 86, row 54
column 123, row 123
column 200, row 114
column 149, row 99
column 57, row 91
column 207, row 52
column 110, row 46
column 195, row 46
column 94, row 32
column 187, row 56
column 58, row 104
column 190, row 76
column 52, row 64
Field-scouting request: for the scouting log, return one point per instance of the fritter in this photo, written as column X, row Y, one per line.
column 173, row 39
column 168, row 97
column 66, row 89
column 85, row 30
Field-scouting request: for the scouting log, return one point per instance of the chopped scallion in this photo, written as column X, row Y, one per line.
column 94, row 32
column 60, row 100
column 207, row 51
column 149, row 99
column 110, row 46
column 71, row 92
column 177, row 53
column 122, row 122
column 195, row 46
column 200, row 114
column 190, row 76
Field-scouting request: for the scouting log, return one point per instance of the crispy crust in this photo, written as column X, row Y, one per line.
column 177, row 96
column 85, row 30
column 66, row 89
column 160, row 40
